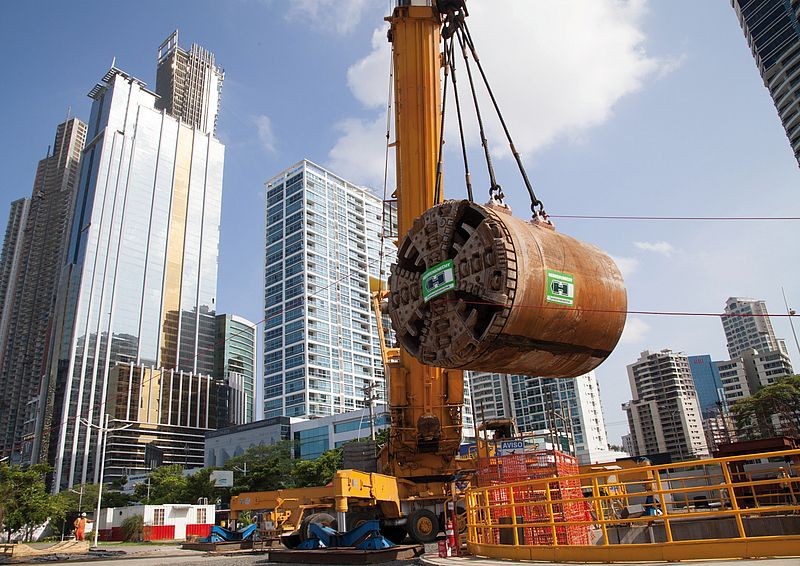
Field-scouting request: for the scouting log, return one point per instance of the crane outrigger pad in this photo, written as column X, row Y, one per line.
column 476, row 289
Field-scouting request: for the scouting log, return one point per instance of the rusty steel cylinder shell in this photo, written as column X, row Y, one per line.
column 476, row 289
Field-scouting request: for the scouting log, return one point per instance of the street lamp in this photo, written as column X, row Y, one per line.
column 103, row 430
column 80, row 497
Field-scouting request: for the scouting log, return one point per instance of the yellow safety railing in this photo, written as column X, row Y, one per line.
column 733, row 507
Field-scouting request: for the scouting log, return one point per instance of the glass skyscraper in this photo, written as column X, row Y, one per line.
column 136, row 318
column 235, row 364
column 707, row 384
column 772, row 30
column 324, row 240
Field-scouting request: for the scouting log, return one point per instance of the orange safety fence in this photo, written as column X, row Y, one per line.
column 751, row 498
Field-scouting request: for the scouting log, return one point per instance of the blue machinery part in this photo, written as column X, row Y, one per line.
column 219, row 534
column 366, row 536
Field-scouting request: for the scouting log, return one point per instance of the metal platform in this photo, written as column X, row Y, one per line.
column 347, row 555
column 218, row 546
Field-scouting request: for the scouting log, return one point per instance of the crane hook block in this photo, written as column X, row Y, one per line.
column 476, row 289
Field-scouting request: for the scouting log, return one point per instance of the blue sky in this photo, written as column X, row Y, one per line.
column 644, row 107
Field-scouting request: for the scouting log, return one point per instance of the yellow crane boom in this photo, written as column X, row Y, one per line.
column 425, row 402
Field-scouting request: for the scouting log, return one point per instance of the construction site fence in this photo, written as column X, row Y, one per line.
column 728, row 507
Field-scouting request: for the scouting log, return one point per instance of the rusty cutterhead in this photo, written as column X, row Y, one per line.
column 476, row 289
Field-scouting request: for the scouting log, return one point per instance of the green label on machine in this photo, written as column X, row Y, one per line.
column 560, row 288
column 438, row 279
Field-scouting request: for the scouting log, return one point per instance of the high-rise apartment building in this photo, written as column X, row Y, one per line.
column 664, row 414
column 189, row 84
column 235, row 365
column 577, row 400
column 627, row 444
column 491, row 395
column 570, row 408
column 747, row 325
column 765, row 368
column 325, row 240
column 773, row 34
column 734, row 381
column 707, row 383
column 136, row 311
column 9, row 265
column 31, row 295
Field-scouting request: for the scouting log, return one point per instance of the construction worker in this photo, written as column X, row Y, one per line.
column 80, row 527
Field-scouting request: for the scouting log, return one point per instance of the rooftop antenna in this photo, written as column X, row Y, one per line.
column 114, row 62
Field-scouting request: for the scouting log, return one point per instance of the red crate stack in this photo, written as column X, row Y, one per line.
column 499, row 471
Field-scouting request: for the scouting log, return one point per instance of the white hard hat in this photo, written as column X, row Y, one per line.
column 83, row 514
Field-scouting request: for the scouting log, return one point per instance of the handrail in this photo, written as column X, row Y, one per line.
column 560, row 515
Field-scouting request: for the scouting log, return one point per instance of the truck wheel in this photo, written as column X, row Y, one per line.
column 423, row 526
column 318, row 518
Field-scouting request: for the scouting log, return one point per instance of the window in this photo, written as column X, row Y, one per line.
column 201, row 515
column 158, row 516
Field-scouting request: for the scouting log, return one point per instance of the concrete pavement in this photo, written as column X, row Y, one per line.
column 433, row 560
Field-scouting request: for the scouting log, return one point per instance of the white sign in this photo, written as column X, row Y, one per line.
column 222, row 478
column 508, row 447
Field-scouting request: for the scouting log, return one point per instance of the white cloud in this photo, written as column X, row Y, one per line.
column 364, row 77
column 664, row 248
column 627, row 265
column 571, row 63
column 635, row 331
column 339, row 16
column 359, row 153
column 265, row 133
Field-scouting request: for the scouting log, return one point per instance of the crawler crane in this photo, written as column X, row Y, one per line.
column 486, row 260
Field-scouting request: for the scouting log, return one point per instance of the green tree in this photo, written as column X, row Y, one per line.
column 269, row 467
column 24, row 498
column 71, row 499
column 167, row 485
column 199, row 486
column 133, row 529
column 382, row 437
column 114, row 498
column 313, row 473
column 754, row 414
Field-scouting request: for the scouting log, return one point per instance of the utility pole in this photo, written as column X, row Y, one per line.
column 369, row 392
column 103, row 433
column 791, row 313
